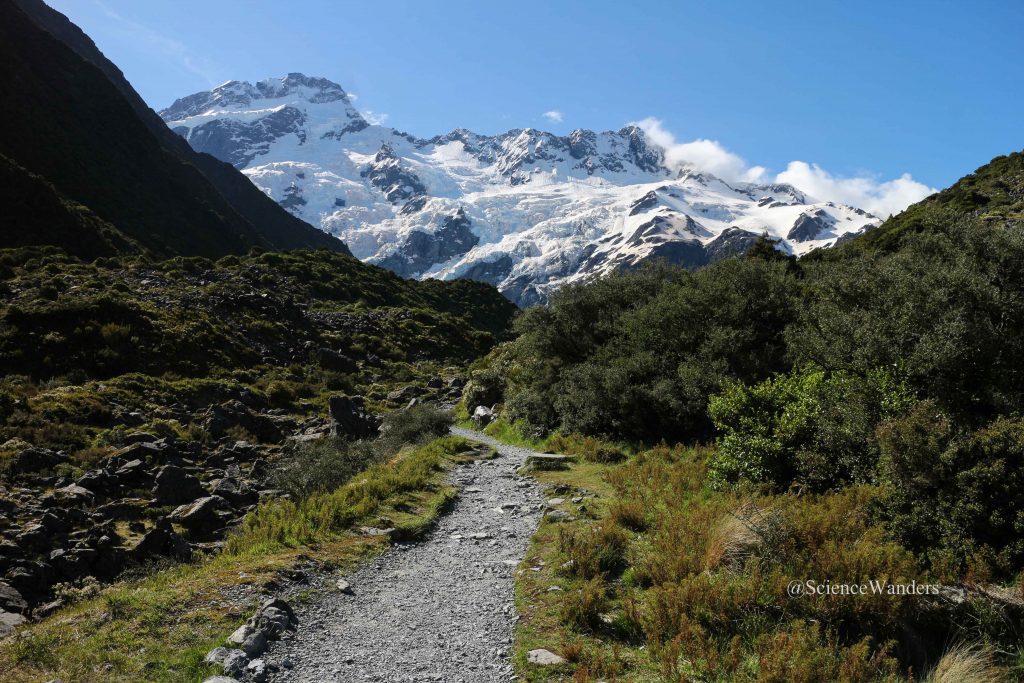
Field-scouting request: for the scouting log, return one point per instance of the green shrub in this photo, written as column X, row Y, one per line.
column 955, row 497
column 321, row 466
column 807, row 427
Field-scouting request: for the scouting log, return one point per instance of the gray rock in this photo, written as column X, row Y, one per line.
column 558, row 516
column 9, row 621
column 11, row 600
column 232, row 661
column 241, row 633
column 350, row 418
column 255, row 644
column 257, row 670
column 483, row 416
column 200, row 514
column 543, row 657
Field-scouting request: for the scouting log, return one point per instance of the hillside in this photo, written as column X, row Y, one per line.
column 123, row 373
column 992, row 195
column 68, row 123
column 842, row 418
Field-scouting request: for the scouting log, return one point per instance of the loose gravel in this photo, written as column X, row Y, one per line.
column 440, row 609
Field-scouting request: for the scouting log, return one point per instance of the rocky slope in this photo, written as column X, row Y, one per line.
column 143, row 406
column 525, row 210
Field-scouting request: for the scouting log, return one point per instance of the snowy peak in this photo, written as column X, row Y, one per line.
column 526, row 210
column 239, row 95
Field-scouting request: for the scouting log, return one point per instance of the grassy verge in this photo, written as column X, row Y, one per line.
column 657, row 577
column 160, row 627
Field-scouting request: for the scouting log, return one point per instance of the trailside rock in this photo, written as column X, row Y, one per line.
column 232, row 661
column 273, row 618
column 544, row 658
column 483, row 416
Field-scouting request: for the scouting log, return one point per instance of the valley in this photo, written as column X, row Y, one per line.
column 288, row 394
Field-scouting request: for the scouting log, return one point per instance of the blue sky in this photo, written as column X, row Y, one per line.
column 867, row 90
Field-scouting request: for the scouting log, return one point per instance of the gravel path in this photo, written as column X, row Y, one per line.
column 438, row 610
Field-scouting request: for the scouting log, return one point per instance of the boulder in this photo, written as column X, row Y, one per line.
column 162, row 541
column 200, row 515
column 483, row 416
column 219, row 419
column 73, row 494
column 151, row 451
column 133, row 474
column 257, row 670
column 31, row 579
column 174, row 486
column 548, row 461
column 273, row 618
column 9, row 621
column 11, row 600
column 35, row 460
column 236, row 491
column 97, row 480
column 405, row 394
column 72, row 565
column 350, row 419
column 232, row 661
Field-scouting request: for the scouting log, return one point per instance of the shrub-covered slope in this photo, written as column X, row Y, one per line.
column 865, row 415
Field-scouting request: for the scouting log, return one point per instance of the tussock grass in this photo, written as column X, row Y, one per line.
column 967, row 663
column 740, row 535
column 667, row 579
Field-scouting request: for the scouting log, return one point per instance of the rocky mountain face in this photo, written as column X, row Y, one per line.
column 525, row 210
column 90, row 168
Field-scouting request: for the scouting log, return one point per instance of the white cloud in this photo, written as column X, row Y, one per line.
column 866, row 192
column 554, row 116
column 704, row 155
column 376, row 118
column 880, row 198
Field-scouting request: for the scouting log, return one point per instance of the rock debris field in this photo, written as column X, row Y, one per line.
column 437, row 610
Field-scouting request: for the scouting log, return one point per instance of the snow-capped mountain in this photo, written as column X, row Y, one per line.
column 526, row 210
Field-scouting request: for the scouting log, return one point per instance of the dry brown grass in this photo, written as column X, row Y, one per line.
column 967, row 663
column 740, row 535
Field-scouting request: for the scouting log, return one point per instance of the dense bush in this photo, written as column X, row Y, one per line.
column 808, row 428
column 955, row 497
column 637, row 355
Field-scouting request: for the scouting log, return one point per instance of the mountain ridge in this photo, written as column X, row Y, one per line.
column 541, row 210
